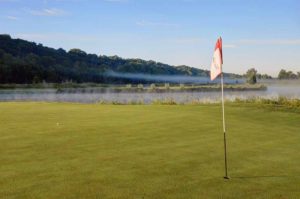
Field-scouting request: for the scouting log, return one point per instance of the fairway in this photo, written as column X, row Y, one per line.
column 65, row 150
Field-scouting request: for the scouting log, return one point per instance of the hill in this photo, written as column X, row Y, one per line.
column 22, row 62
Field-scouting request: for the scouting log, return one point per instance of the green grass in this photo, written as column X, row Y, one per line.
column 61, row 150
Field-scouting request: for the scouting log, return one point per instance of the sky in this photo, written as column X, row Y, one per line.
column 264, row 34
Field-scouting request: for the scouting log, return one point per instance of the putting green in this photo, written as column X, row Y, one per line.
column 64, row 150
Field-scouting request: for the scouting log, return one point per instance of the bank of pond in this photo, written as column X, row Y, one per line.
column 132, row 88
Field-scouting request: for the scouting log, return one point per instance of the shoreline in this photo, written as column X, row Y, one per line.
column 97, row 88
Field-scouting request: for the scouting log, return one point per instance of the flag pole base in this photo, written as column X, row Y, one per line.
column 226, row 178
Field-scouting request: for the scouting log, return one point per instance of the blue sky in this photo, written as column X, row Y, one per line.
column 264, row 34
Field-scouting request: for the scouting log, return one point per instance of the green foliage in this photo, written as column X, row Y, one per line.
column 283, row 74
column 36, row 80
column 251, row 76
column 182, row 86
column 152, row 86
column 167, row 101
column 26, row 62
column 275, row 102
column 263, row 76
column 167, row 86
column 140, row 86
column 77, row 51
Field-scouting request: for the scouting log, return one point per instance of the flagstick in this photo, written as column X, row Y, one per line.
column 224, row 129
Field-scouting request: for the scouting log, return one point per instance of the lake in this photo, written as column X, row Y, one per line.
column 290, row 89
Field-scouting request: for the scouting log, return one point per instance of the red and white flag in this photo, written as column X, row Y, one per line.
column 216, row 65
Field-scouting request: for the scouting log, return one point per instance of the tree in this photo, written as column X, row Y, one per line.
column 291, row 75
column 258, row 76
column 27, row 62
column 263, row 76
column 266, row 76
column 283, row 74
column 251, row 76
column 77, row 51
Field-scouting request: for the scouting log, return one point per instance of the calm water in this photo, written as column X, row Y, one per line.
column 290, row 90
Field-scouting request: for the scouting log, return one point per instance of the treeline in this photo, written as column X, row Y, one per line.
column 27, row 62
column 283, row 74
column 252, row 75
column 263, row 76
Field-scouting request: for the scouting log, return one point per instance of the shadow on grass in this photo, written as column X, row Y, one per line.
column 265, row 176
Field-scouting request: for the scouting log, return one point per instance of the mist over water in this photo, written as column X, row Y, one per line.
column 290, row 89
column 173, row 78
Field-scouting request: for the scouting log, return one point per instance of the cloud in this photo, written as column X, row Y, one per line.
column 156, row 24
column 187, row 40
column 260, row 42
column 229, row 46
column 52, row 12
column 13, row 18
column 270, row 42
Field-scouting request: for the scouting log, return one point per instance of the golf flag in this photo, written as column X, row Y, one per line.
column 215, row 71
column 216, row 65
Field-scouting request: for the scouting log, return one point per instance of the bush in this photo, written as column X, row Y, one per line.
column 167, row 101
column 280, row 101
column 140, row 86
column 167, row 86
column 152, row 86
column 181, row 86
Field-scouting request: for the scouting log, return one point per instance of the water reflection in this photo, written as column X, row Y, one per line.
column 50, row 95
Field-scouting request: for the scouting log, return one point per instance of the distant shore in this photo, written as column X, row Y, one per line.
column 132, row 88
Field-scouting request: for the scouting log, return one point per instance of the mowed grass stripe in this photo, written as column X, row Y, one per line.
column 65, row 150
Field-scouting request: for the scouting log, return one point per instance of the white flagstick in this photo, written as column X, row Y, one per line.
column 224, row 128
column 216, row 70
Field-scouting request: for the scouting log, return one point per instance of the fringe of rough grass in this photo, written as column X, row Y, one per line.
column 129, row 102
column 279, row 102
